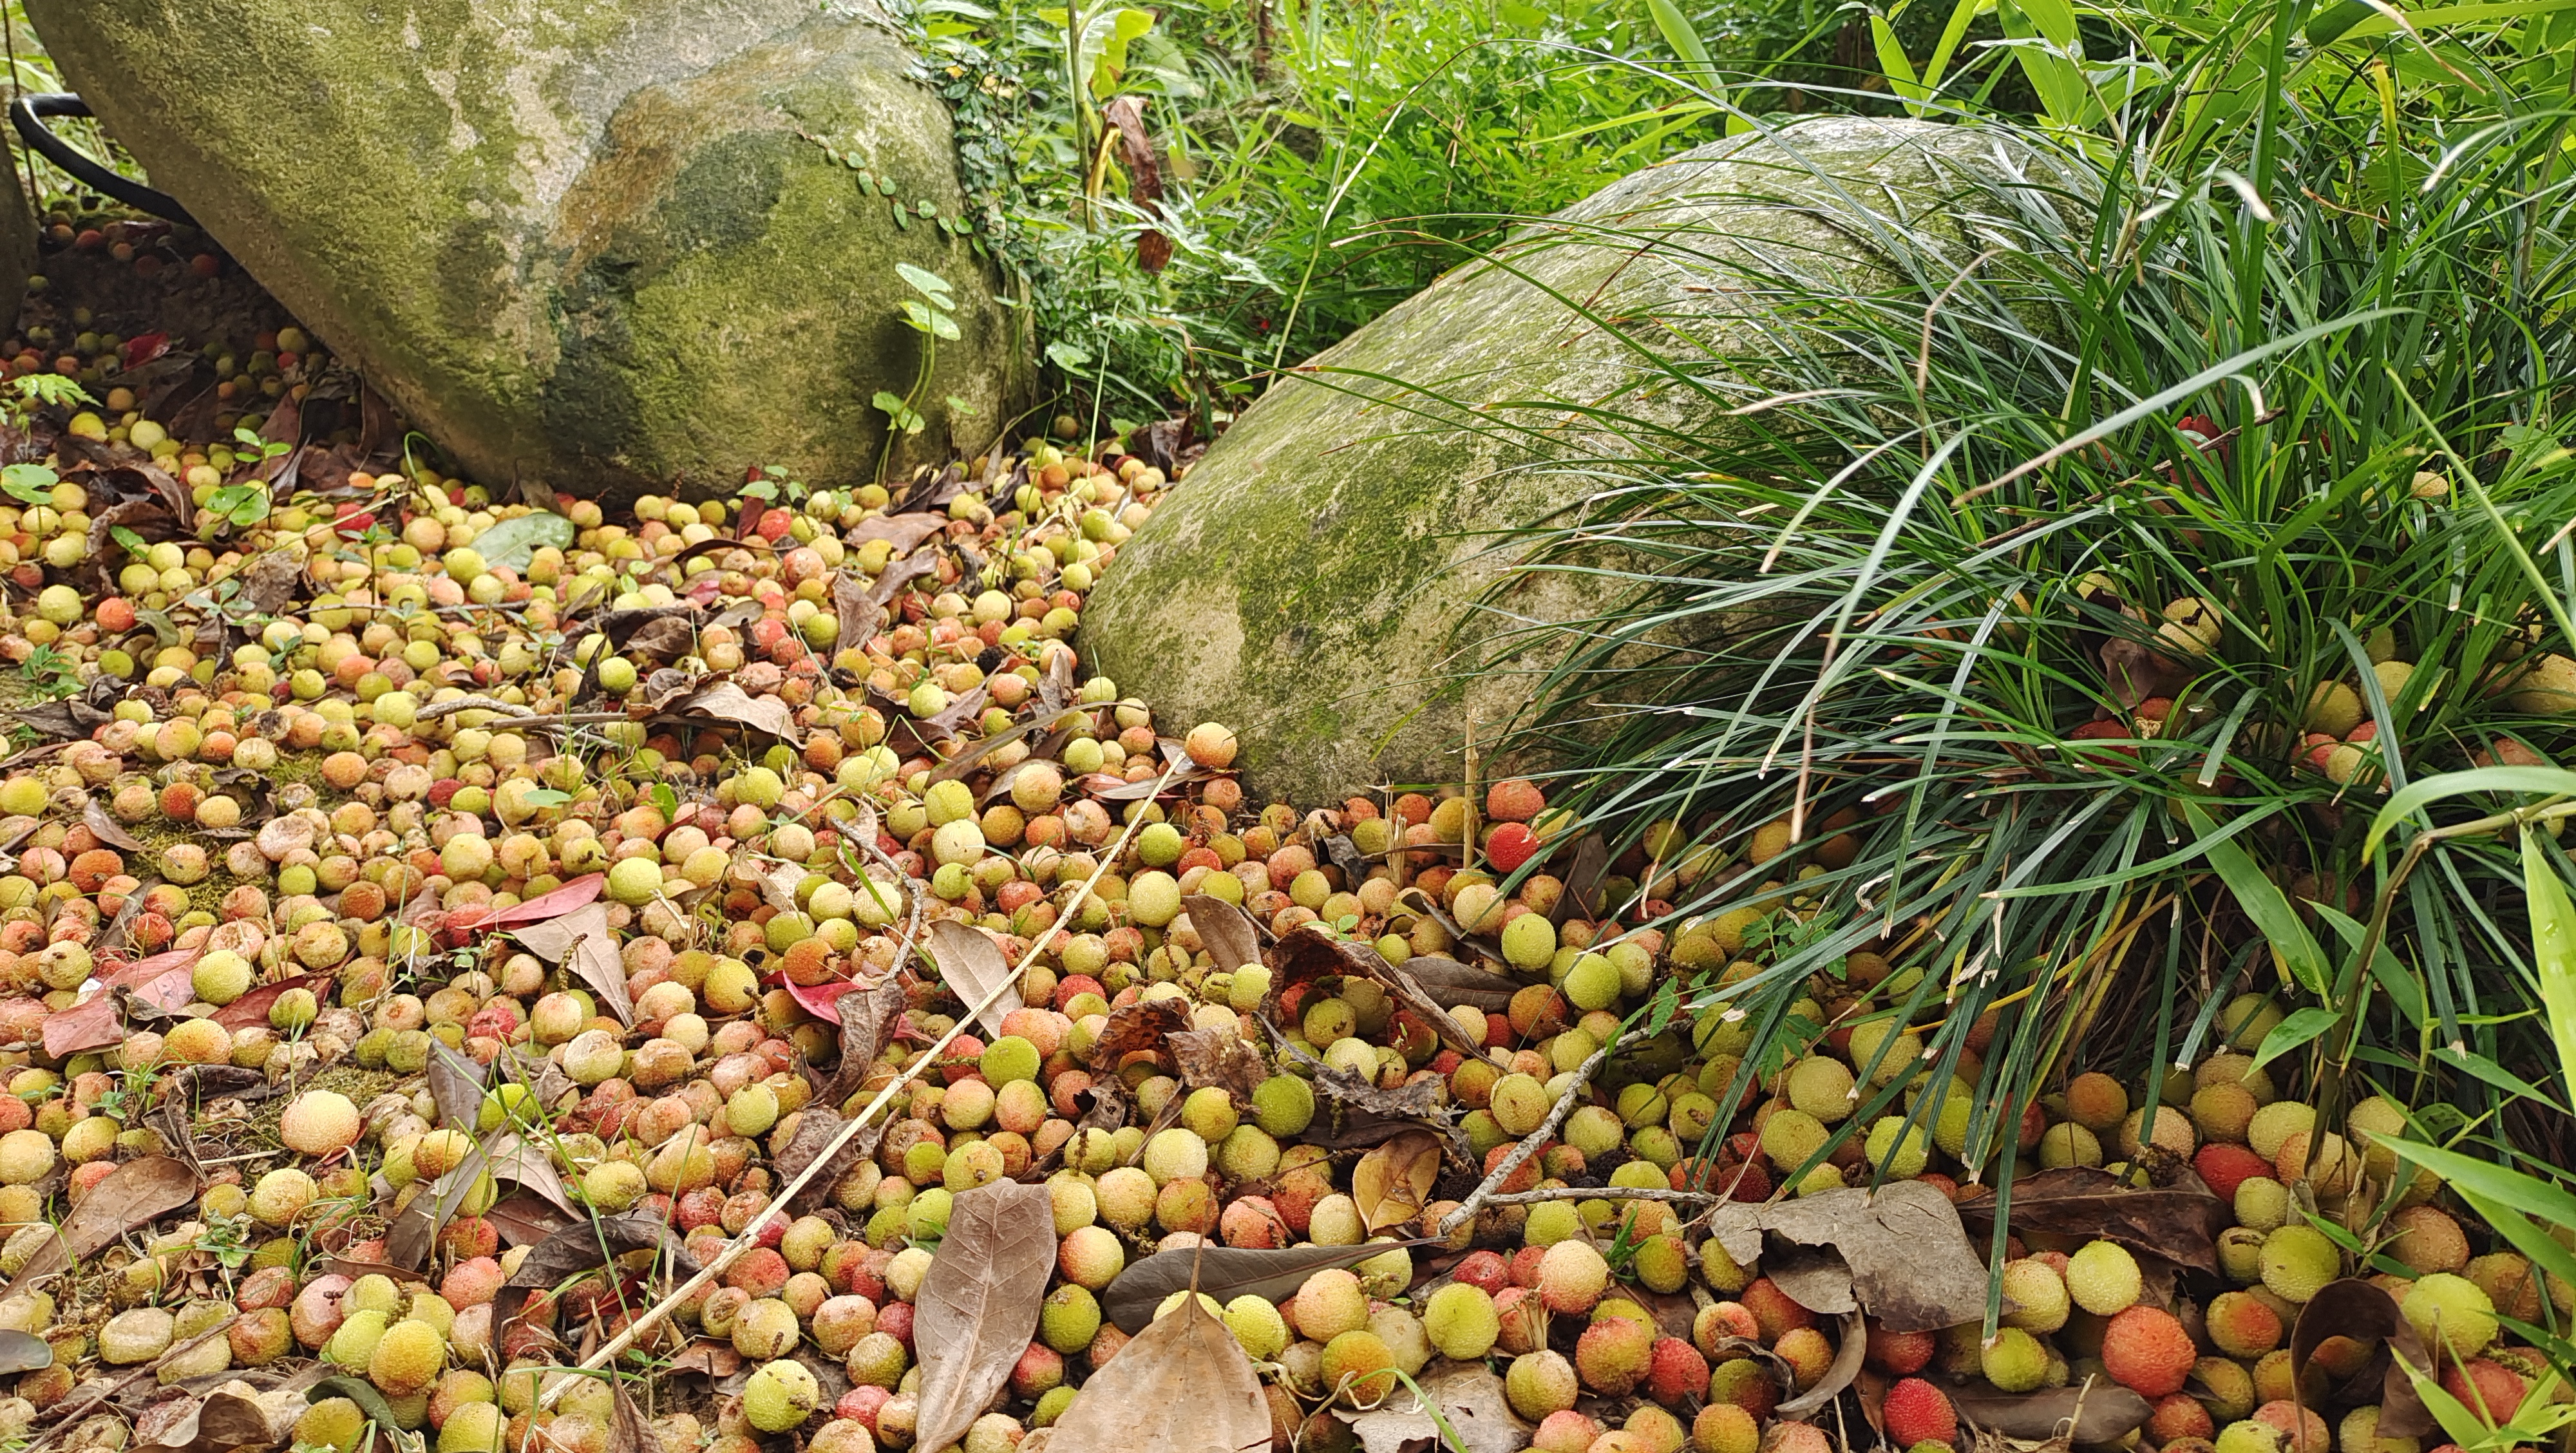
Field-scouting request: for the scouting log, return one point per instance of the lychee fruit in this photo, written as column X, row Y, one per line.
column 1918, row 1412
column 2450, row 1310
column 2103, row 1278
column 1540, row 1383
column 319, row 1122
column 780, row 1396
column 1571, row 1277
column 1612, row 1354
column 1461, row 1322
column 2300, row 1260
column 407, row 1359
column 2015, row 1361
column 2147, row 1350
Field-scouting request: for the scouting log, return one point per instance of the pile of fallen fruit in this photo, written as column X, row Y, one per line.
column 497, row 974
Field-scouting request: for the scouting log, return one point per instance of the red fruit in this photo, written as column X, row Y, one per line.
column 1484, row 1270
column 1514, row 800
column 1772, row 1310
column 1918, row 1412
column 2484, row 1387
column 2179, row 1415
column 1675, row 1371
column 1900, row 1353
column 895, row 1320
column 2224, row 1167
column 1525, row 1265
column 2146, row 1350
column 1511, row 845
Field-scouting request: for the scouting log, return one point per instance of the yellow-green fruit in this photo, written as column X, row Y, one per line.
column 319, row 1123
column 221, row 977
column 780, row 1396
column 2015, row 1361
column 2103, row 1278
column 355, row 1343
column 339, row 1423
column 1256, row 1324
column 1591, row 982
column 2034, row 1295
column 2452, row 1309
column 1821, row 1087
column 407, row 1359
column 472, row 1428
column 2298, row 1261
column 1461, row 1321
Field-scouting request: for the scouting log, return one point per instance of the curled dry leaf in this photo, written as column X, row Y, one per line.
column 1225, row 1272
column 1853, row 1345
column 504, row 1157
column 2094, row 1413
column 817, row 1126
column 1138, row 1028
column 971, row 964
column 868, row 1016
column 456, row 1083
column 726, row 702
column 1910, row 1261
column 979, row 1303
column 1227, row 931
column 585, row 939
column 1220, row 1058
column 1451, row 983
column 586, row 1246
column 2365, row 1312
column 105, row 829
column 1392, row 1183
column 1182, row 1386
column 24, row 1352
column 1467, row 1395
column 1308, row 953
column 2179, row 1223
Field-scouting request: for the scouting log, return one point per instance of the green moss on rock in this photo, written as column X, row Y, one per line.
column 602, row 245
column 1314, row 583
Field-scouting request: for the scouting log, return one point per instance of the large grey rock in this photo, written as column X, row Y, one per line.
column 600, row 243
column 1313, row 582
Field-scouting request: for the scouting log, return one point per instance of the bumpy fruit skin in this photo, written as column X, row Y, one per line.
column 1725, row 1428
column 1360, row 1368
column 2103, row 1278
column 2451, row 1310
column 1612, row 1354
column 1571, row 1277
column 1461, row 1322
column 2298, row 1261
column 1918, row 1412
column 407, row 1358
column 1330, row 1304
column 319, row 1123
column 1539, row 1383
column 2242, row 1325
column 2035, row 1295
column 336, row 1423
column 2015, row 1361
column 780, row 1396
column 2147, row 1350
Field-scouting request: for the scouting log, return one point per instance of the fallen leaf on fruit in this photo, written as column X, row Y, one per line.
column 522, row 1219
column 904, row 532
column 90, row 1024
column 2178, row 1223
column 104, row 828
column 586, row 1246
column 709, row 1356
column 971, row 965
column 513, row 542
column 1582, row 894
column 584, row 936
column 1225, row 1272
column 964, row 762
column 907, row 733
column 1306, row 954
column 1391, row 1183
column 504, row 1157
column 1182, row 1386
column 1138, row 1028
column 979, row 1303
column 1451, row 983
column 253, row 1007
column 357, row 1390
column 1853, row 1344
column 1217, row 1057
column 24, row 1352
column 627, row 1430
column 1228, row 932
column 1467, row 1395
column 2096, row 1413
column 867, row 1015
column 779, row 885
column 1417, row 1104
column 580, row 891
column 855, row 610
column 456, row 1084
column 1911, row 1264
column 817, row 1126
column 728, row 702
column 224, row 1419
column 132, row 1195
column 2365, row 1312
column 1819, row 1281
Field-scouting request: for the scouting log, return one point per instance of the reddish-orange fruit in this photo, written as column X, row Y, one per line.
column 2225, row 1167
column 2179, row 1415
column 2489, row 1389
column 2146, row 1350
column 1899, row 1353
column 1612, row 1355
column 1514, row 800
column 1675, row 1370
column 1918, row 1412
column 2301, row 1431
column 1772, row 1309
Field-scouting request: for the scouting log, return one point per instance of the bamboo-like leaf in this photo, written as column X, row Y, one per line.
column 2553, row 948
column 1678, row 31
column 2265, row 903
column 2503, row 781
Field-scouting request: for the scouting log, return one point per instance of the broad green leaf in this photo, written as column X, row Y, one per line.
column 2494, row 1074
column 1678, row 31
column 545, row 797
column 514, row 542
column 2403, row 987
column 2290, row 1033
column 1071, row 357
column 2466, row 1429
column 1892, row 61
column 926, row 282
column 2055, row 20
column 2553, row 948
column 889, row 403
column 33, row 483
column 2536, row 781
column 133, row 542
column 2508, row 1188
column 2265, row 903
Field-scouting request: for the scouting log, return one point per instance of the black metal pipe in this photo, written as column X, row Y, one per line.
column 28, row 114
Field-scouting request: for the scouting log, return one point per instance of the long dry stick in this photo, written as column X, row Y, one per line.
column 1529, row 1145
column 735, row 1248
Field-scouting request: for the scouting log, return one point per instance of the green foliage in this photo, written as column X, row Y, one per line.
column 1317, row 163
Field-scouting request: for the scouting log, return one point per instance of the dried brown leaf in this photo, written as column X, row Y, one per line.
column 1138, row 1028
column 1392, row 1183
column 979, row 1303
column 1582, row 895
column 1308, row 953
column 1451, row 983
column 1224, row 1272
column 2365, row 1312
column 1851, row 1346
column 709, row 1356
column 1910, row 1261
column 1182, row 1386
column 134, row 1194
column 1468, row 1396
column 971, row 964
column 817, row 1126
column 1228, row 932
column 2095, row 1413
column 104, row 828
column 584, row 935
column 2179, row 1223
column 505, row 1157
column 730, row 703
column 1217, row 1057
column 24, row 1352
column 858, row 611
column 586, row 1246
column 902, row 531
column 868, row 1018
column 456, row 1084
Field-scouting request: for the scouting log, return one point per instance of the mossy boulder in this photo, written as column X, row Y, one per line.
column 609, row 245
column 18, row 260
column 1315, row 582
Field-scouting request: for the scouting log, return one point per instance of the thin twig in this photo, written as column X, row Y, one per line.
column 1530, row 1144
column 1605, row 1193
column 733, row 1251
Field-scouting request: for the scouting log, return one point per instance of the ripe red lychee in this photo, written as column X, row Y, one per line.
column 1612, row 1355
column 2146, row 1350
column 1917, row 1412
